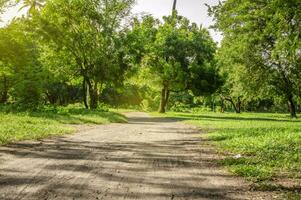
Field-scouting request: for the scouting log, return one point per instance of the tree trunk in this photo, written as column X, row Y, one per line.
column 222, row 105
column 93, row 93
column 167, row 94
column 292, row 106
column 162, row 108
column 51, row 98
column 85, row 94
column 164, row 99
column 238, row 105
column 4, row 93
column 93, row 96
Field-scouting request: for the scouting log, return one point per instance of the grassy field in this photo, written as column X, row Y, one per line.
column 262, row 147
column 16, row 126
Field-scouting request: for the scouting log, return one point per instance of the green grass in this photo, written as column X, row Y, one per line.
column 269, row 144
column 16, row 126
column 125, row 110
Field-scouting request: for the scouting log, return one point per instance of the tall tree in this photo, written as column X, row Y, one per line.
column 89, row 32
column 176, row 55
column 267, row 34
column 21, row 73
column 174, row 6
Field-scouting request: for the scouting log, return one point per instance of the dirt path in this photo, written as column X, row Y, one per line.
column 148, row 158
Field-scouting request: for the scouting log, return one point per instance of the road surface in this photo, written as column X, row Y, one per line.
column 148, row 158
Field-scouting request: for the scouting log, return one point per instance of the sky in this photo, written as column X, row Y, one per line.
column 194, row 10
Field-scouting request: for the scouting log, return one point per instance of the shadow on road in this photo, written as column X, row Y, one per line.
column 65, row 168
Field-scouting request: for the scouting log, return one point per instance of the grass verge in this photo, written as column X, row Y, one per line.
column 16, row 126
column 265, row 148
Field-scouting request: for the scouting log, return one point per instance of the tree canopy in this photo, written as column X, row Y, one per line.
column 177, row 54
column 263, row 37
column 97, row 52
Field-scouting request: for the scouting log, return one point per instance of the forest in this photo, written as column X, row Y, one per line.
column 86, row 61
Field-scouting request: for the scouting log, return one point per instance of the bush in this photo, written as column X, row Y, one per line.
column 180, row 107
column 201, row 109
column 145, row 105
column 103, row 107
column 28, row 89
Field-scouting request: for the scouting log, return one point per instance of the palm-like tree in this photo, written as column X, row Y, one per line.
column 32, row 5
column 174, row 7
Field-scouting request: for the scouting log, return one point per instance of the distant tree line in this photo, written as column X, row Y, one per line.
column 63, row 51
column 70, row 51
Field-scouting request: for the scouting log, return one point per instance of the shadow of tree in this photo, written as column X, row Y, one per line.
column 238, row 118
column 65, row 168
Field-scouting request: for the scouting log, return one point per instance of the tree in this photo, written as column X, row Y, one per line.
column 33, row 6
column 21, row 73
column 89, row 32
column 174, row 7
column 176, row 55
column 268, row 38
column 239, row 86
column 62, row 86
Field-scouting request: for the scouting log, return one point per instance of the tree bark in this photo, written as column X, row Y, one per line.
column 222, row 105
column 167, row 94
column 51, row 98
column 162, row 108
column 237, row 105
column 85, row 94
column 289, row 95
column 93, row 93
column 93, row 96
column 292, row 106
column 4, row 93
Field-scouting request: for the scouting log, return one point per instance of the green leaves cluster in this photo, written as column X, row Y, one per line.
column 62, row 43
column 2, row 4
column 176, row 54
column 63, row 51
column 21, row 73
column 90, row 33
column 261, row 40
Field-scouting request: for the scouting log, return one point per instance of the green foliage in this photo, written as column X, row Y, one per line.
column 293, row 196
column 28, row 88
column 201, row 109
column 65, row 52
column 90, row 34
column 180, row 107
column 33, row 6
column 176, row 54
column 261, row 47
column 21, row 73
column 2, row 5
column 145, row 105
column 49, row 121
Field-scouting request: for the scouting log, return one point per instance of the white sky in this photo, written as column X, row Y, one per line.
column 195, row 10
